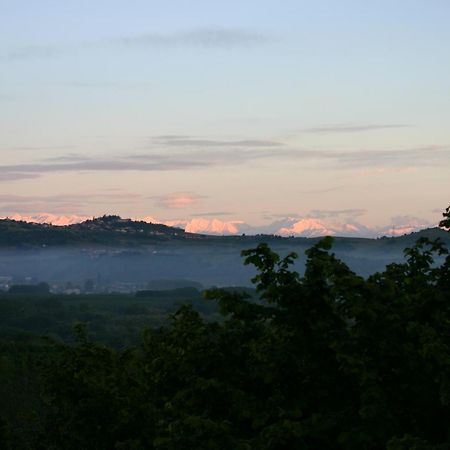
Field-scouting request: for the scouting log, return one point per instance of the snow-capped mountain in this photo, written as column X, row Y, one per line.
column 208, row 226
column 312, row 227
column 53, row 219
column 289, row 226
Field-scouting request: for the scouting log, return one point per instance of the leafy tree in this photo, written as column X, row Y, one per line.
column 445, row 223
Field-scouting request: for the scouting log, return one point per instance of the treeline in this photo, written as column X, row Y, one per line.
column 116, row 320
column 325, row 360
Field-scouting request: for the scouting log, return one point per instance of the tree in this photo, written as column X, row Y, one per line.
column 445, row 223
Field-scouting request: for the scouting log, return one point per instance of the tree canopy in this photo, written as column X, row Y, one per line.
column 445, row 222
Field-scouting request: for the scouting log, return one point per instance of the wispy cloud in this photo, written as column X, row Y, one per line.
column 9, row 209
column 203, row 37
column 187, row 141
column 35, row 52
column 190, row 159
column 213, row 38
column 177, row 200
column 415, row 156
column 153, row 163
column 117, row 86
column 380, row 171
column 424, row 156
column 41, row 147
column 322, row 191
column 72, row 164
column 267, row 215
column 12, row 176
column 62, row 203
column 168, row 137
column 349, row 128
column 208, row 157
column 330, row 213
column 71, row 157
column 213, row 214
column 113, row 197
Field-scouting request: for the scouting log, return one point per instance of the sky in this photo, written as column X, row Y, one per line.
column 256, row 113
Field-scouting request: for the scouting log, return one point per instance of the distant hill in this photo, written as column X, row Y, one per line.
column 106, row 230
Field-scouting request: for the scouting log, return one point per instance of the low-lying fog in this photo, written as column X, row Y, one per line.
column 177, row 264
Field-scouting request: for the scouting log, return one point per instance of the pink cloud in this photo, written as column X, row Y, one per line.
column 178, row 200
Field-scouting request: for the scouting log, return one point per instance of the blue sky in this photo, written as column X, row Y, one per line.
column 256, row 109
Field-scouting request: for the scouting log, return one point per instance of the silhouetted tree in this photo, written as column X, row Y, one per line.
column 445, row 223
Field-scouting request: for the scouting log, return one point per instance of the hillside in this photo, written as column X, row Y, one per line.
column 106, row 230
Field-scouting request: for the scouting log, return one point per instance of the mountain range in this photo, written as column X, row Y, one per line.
column 288, row 226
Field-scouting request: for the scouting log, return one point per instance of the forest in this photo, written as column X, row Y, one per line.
column 326, row 359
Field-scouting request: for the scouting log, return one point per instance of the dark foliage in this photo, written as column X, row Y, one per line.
column 41, row 288
column 112, row 319
column 186, row 293
column 445, row 222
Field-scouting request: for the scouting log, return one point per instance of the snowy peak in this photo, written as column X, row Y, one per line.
column 290, row 226
column 312, row 227
column 50, row 219
column 306, row 227
column 208, row 226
